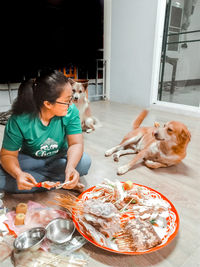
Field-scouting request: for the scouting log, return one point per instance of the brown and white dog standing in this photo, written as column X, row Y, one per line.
column 157, row 147
column 80, row 98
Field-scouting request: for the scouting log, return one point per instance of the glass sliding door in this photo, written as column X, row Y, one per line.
column 180, row 62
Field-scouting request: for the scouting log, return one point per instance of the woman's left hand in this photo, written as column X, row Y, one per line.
column 71, row 177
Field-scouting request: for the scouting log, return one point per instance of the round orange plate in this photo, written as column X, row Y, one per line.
column 172, row 223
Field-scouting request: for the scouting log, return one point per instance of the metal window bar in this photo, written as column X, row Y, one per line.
column 103, row 69
column 180, row 42
column 178, row 33
column 164, row 46
column 9, row 92
column 97, row 73
column 104, row 79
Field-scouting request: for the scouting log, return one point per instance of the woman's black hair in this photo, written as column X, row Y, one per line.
column 32, row 93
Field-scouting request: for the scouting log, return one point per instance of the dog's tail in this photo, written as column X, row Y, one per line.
column 140, row 119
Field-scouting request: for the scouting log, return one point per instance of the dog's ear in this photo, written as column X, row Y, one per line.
column 71, row 81
column 85, row 86
column 156, row 124
column 185, row 135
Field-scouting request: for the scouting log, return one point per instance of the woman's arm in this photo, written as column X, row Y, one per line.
column 10, row 163
column 74, row 154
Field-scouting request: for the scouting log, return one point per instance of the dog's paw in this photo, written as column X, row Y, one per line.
column 121, row 170
column 108, row 153
column 115, row 157
column 89, row 130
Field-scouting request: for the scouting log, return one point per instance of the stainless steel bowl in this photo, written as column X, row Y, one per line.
column 30, row 239
column 60, row 230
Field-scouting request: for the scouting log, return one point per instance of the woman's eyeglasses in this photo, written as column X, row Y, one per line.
column 64, row 103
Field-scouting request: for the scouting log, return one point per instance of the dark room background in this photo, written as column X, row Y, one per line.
column 49, row 34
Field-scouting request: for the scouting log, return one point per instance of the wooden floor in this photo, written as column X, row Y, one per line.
column 180, row 184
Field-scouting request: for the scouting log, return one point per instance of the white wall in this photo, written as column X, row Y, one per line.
column 132, row 44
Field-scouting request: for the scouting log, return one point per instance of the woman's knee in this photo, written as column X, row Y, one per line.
column 2, row 178
column 7, row 182
column 84, row 164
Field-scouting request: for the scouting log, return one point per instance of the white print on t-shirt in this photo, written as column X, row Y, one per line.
column 48, row 148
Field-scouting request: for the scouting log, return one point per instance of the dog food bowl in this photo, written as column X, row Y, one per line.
column 30, row 239
column 60, row 230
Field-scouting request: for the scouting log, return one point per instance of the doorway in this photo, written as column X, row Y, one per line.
column 179, row 80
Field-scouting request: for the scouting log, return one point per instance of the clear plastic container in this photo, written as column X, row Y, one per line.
column 1, row 194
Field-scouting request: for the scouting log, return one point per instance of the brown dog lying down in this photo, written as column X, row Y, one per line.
column 157, row 147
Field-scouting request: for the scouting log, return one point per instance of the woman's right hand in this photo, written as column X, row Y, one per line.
column 25, row 181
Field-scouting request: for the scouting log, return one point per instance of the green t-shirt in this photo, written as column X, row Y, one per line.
column 26, row 132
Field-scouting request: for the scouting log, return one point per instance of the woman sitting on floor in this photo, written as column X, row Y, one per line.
column 43, row 137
